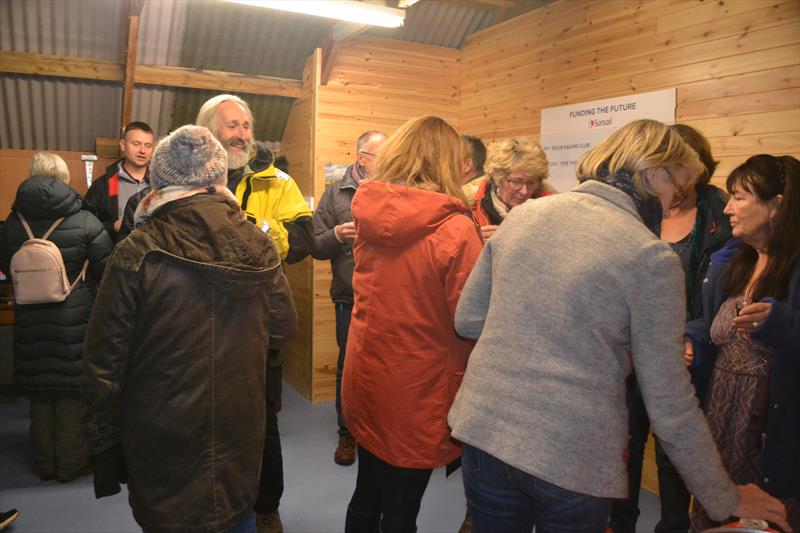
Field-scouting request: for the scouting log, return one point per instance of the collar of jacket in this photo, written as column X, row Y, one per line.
column 610, row 194
column 261, row 165
column 348, row 181
column 715, row 227
column 113, row 168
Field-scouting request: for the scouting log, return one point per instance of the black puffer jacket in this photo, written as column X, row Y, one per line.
column 176, row 357
column 48, row 338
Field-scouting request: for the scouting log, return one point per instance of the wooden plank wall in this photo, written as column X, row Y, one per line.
column 735, row 63
column 375, row 84
column 15, row 164
column 298, row 146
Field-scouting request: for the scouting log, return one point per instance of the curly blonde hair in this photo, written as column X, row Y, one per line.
column 504, row 157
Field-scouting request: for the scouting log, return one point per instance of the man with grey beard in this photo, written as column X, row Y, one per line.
column 271, row 200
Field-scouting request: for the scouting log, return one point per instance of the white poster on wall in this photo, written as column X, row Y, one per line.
column 569, row 131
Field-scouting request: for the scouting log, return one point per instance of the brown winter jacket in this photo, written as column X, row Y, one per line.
column 175, row 363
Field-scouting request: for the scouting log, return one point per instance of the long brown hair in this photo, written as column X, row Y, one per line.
column 767, row 176
column 699, row 144
column 425, row 153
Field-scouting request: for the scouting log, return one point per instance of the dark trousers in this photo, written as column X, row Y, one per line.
column 270, row 487
column 343, row 313
column 387, row 498
column 673, row 492
column 59, row 447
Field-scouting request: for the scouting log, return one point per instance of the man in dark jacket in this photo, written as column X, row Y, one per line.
column 272, row 201
column 334, row 233
column 109, row 194
column 176, row 351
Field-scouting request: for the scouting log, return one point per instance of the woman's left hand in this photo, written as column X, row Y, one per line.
column 752, row 317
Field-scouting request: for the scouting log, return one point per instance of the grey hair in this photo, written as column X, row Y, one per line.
column 365, row 137
column 206, row 117
column 50, row 165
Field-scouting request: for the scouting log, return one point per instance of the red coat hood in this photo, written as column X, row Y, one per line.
column 393, row 215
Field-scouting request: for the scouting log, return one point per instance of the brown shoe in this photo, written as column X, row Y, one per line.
column 269, row 523
column 345, row 453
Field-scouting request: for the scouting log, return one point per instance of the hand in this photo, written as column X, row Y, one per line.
column 488, row 231
column 755, row 503
column 752, row 317
column 117, row 225
column 688, row 351
column 345, row 232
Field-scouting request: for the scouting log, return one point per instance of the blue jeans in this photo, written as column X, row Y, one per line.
column 503, row 498
column 343, row 312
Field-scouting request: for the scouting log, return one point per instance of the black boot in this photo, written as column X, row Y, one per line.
column 357, row 522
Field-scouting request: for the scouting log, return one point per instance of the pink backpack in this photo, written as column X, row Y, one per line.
column 38, row 271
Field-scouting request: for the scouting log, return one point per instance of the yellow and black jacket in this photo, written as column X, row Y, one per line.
column 271, row 200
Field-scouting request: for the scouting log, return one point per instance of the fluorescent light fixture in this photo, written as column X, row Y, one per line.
column 358, row 12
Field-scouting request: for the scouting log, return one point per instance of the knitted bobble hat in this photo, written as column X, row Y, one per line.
column 189, row 155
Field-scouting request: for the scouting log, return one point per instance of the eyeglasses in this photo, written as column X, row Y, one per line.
column 366, row 153
column 519, row 184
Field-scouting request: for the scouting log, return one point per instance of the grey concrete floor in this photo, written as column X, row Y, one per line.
column 315, row 499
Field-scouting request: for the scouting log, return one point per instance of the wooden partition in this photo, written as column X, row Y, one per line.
column 14, row 166
column 375, row 84
column 298, row 146
column 735, row 64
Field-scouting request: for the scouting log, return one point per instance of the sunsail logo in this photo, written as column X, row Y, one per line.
column 598, row 123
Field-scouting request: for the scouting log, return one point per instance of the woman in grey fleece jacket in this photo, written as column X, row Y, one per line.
column 572, row 293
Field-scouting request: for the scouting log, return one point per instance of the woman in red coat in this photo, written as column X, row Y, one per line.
column 415, row 246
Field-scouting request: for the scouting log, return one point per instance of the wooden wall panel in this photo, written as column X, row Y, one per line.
column 14, row 166
column 736, row 66
column 380, row 84
column 298, row 146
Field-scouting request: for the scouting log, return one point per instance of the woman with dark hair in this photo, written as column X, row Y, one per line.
column 750, row 333
column 695, row 228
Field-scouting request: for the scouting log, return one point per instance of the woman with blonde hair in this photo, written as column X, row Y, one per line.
column 414, row 248
column 572, row 294
column 696, row 228
column 516, row 171
column 48, row 337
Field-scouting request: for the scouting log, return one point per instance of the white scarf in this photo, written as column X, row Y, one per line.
column 158, row 198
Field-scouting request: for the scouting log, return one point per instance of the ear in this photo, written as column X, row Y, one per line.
column 122, row 145
column 775, row 205
column 658, row 179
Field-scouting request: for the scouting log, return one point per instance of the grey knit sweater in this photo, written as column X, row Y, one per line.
column 561, row 293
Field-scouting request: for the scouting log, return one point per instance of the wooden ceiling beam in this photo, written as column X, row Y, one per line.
column 111, row 71
column 59, row 66
column 217, row 81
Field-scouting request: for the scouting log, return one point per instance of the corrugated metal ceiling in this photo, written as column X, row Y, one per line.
column 65, row 114
column 439, row 23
